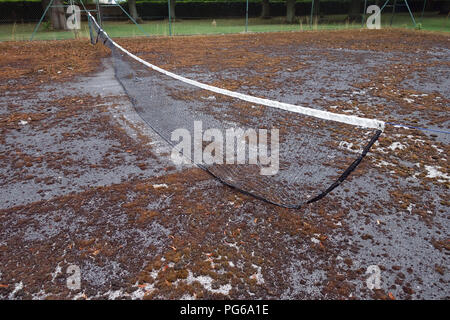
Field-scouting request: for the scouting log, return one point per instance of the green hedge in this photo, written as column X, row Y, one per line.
column 31, row 10
column 184, row 1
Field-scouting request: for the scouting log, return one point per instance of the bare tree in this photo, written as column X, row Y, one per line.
column 172, row 9
column 316, row 10
column 133, row 11
column 265, row 12
column 56, row 14
column 290, row 11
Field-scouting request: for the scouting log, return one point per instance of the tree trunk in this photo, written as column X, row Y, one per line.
column 172, row 9
column 57, row 15
column 290, row 11
column 316, row 10
column 265, row 13
column 355, row 10
column 133, row 11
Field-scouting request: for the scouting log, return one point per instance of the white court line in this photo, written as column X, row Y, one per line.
column 326, row 115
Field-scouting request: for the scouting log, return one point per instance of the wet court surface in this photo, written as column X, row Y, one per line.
column 84, row 181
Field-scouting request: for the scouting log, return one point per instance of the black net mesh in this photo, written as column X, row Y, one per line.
column 314, row 155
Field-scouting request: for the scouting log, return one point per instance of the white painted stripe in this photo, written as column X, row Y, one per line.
column 326, row 115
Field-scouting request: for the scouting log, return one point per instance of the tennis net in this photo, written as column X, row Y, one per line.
column 289, row 155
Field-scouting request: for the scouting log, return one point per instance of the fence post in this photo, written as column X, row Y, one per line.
column 99, row 14
column 170, row 18
column 246, row 17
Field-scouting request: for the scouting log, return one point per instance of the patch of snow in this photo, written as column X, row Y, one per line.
column 437, row 149
column 206, row 282
column 154, row 274
column 408, row 100
column 159, row 186
column 233, row 245
column 433, row 172
column 348, row 146
column 383, row 163
column 141, row 292
column 396, row 145
column 113, row 295
column 41, row 295
column 17, row 288
column 258, row 275
column 79, row 296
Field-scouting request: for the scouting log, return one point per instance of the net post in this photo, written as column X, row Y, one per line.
column 132, row 19
column 90, row 26
column 393, row 12
column 410, row 13
column 170, row 18
column 311, row 14
column 384, row 5
column 423, row 10
column 363, row 17
column 99, row 15
column 246, row 17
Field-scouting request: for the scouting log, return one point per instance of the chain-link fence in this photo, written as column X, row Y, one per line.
column 19, row 19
